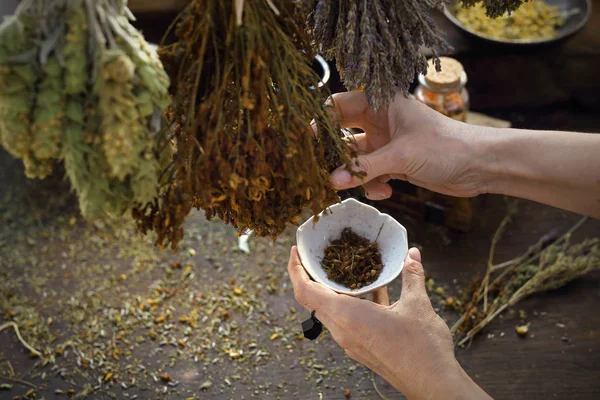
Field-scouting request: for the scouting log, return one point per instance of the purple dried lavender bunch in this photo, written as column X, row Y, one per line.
column 378, row 43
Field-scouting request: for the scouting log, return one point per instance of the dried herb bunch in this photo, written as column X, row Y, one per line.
column 547, row 265
column 352, row 260
column 376, row 43
column 494, row 8
column 78, row 84
column 379, row 43
column 243, row 98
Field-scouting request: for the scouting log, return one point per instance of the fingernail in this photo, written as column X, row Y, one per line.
column 380, row 194
column 415, row 254
column 340, row 178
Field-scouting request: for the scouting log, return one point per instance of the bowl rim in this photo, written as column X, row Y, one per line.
column 520, row 42
column 375, row 285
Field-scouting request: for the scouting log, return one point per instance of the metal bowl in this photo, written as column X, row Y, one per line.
column 576, row 12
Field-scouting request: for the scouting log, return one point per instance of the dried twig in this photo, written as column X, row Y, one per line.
column 17, row 380
column 10, row 368
column 23, row 342
column 512, row 210
column 528, row 258
column 375, row 386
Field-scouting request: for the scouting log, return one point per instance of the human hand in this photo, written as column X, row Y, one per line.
column 409, row 141
column 406, row 343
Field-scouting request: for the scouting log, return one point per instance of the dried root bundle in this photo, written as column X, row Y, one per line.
column 78, row 84
column 243, row 98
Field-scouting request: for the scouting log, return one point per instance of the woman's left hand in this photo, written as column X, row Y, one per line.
column 406, row 343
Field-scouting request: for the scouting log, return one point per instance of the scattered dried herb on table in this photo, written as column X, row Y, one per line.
column 352, row 260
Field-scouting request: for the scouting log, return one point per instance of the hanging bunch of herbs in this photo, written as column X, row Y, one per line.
column 244, row 94
column 79, row 85
column 379, row 43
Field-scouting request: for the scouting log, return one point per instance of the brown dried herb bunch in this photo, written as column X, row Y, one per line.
column 376, row 43
column 243, row 98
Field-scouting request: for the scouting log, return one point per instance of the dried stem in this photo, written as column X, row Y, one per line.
column 471, row 334
column 17, row 380
column 528, row 258
column 376, row 387
column 23, row 342
column 512, row 210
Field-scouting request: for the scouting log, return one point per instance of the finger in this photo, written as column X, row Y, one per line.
column 376, row 190
column 384, row 178
column 372, row 165
column 381, row 296
column 349, row 109
column 310, row 294
column 413, row 275
column 359, row 143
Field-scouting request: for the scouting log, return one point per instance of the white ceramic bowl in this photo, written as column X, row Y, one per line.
column 364, row 220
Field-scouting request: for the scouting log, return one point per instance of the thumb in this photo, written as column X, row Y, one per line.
column 367, row 167
column 413, row 275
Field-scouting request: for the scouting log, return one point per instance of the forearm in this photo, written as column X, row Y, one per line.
column 561, row 169
column 453, row 383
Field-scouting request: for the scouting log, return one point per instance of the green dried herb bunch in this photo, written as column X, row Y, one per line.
column 243, row 98
column 78, row 84
column 20, row 78
column 376, row 43
column 547, row 265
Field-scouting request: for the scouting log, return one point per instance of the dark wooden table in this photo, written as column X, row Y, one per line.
column 541, row 366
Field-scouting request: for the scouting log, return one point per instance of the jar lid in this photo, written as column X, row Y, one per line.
column 451, row 75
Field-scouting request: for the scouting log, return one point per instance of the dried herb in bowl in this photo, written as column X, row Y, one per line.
column 352, row 260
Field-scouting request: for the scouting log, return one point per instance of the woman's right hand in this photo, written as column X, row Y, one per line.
column 412, row 142
column 409, row 141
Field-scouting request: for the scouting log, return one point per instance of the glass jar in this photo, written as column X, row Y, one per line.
column 445, row 91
